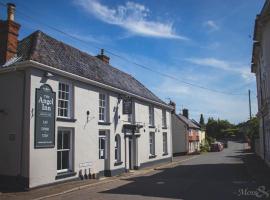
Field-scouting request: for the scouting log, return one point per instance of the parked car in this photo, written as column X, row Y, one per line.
column 217, row 146
column 225, row 143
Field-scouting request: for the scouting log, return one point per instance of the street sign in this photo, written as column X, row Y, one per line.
column 127, row 106
column 45, row 117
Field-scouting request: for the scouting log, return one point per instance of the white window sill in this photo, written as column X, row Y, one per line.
column 63, row 119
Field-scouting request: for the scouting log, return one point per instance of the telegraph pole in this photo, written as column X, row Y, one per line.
column 249, row 100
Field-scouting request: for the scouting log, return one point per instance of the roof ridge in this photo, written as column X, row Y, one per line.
column 33, row 44
column 45, row 49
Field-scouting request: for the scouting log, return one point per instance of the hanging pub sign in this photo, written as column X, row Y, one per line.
column 127, row 106
column 45, row 117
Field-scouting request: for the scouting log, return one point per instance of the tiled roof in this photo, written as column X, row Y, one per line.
column 46, row 50
column 187, row 121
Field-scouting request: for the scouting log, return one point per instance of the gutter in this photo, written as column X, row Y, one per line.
column 35, row 64
column 23, row 127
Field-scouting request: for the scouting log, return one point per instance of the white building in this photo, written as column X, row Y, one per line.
column 179, row 136
column 185, row 133
column 61, row 113
column 260, row 66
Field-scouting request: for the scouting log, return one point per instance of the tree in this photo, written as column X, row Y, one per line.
column 250, row 129
column 217, row 128
column 202, row 121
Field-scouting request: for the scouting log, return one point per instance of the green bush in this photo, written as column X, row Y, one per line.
column 204, row 146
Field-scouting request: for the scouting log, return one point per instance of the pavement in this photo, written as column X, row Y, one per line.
column 234, row 173
column 63, row 188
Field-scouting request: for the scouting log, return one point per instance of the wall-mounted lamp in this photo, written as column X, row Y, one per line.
column 87, row 113
column 48, row 75
column 119, row 97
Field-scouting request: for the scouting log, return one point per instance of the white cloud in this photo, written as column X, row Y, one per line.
column 132, row 16
column 232, row 67
column 211, row 25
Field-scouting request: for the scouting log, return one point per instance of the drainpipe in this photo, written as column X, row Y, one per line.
column 263, row 126
column 23, row 125
column 125, row 151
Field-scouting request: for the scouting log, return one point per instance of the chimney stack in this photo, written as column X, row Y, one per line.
column 10, row 11
column 171, row 103
column 9, row 31
column 103, row 57
column 185, row 112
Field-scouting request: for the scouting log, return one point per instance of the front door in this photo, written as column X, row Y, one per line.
column 103, row 149
column 130, row 150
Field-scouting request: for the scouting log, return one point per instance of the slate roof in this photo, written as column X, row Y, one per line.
column 46, row 50
column 187, row 121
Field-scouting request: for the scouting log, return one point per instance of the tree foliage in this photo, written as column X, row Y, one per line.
column 219, row 129
column 250, row 128
column 202, row 123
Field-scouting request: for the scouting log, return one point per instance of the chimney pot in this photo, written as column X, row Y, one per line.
column 9, row 31
column 103, row 57
column 173, row 105
column 10, row 11
column 185, row 112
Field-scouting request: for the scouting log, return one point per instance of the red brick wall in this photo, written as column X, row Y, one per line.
column 9, row 31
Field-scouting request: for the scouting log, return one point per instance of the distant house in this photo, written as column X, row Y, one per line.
column 260, row 66
column 185, row 134
column 202, row 133
column 66, row 114
column 179, row 136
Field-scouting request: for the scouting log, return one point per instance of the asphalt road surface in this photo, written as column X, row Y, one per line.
column 215, row 175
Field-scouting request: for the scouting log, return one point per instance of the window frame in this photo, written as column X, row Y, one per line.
column 102, row 136
column 69, row 132
column 69, row 100
column 152, row 143
column 151, row 116
column 165, row 143
column 103, row 107
column 117, row 148
column 129, row 118
column 164, row 118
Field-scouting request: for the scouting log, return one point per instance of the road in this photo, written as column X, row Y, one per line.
column 215, row 175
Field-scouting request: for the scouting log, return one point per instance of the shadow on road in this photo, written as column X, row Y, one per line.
column 207, row 181
column 256, row 167
column 213, row 176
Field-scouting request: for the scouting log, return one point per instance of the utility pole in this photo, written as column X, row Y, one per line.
column 249, row 104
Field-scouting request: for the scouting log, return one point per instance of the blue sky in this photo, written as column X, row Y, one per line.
column 207, row 43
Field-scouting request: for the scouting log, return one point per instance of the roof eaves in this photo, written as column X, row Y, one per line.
column 33, row 63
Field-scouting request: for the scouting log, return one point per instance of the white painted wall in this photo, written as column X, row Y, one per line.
column 179, row 136
column 11, row 103
column 43, row 162
column 143, row 141
column 263, row 81
column 202, row 137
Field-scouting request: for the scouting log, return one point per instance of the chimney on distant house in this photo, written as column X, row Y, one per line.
column 171, row 103
column 9, row 31
column 185, row 112
column 103, row 57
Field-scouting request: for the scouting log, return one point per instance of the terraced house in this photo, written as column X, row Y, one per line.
column 260, row 66
column 66, row 114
